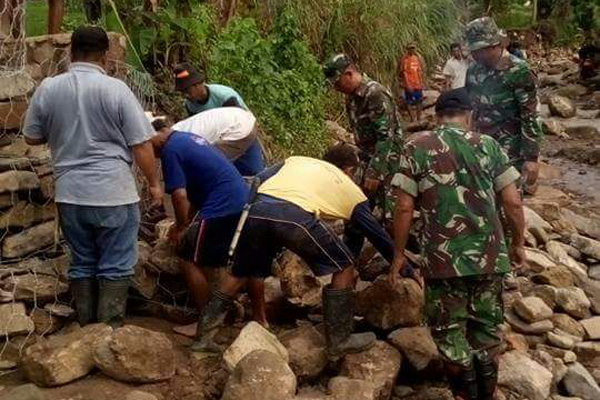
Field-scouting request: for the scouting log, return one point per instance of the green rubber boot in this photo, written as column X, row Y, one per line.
column 85, row 294
column 211, row 318
column 112, row 301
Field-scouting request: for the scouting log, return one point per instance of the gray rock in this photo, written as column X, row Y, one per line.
column 578, row 382
column 573, row 301
column 14, row 320
column 24, row 392
column 523, row 376
column 342, row 388
column 536, row 328
column 28, row 241
column 62, row 359
column 307, row 349
column 261, row 375
column 387, row 307
column 532, row 309
column 135, row 354
column 561, row 106
column 416, row 344
column 592, row 327
column 15, row 84
column 587, row 246
column 379, row 365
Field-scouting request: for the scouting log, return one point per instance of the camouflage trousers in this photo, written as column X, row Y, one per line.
column 464, row 314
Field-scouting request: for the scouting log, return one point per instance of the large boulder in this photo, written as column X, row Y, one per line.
column 573, row 301
column 561, row 106
column 63, row 358
column 524, row 377
column 342, row 388
column 135, row 354
column 387, row 307
column 251, row 338
column 416, row 344
column 579, row 383
column 307, row 349
column 261, row 375
column 14, row 320
column 532, row 309
column 379, row 365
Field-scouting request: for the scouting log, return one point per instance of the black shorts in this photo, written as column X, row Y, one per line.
column 275, row 224
column 206, row 241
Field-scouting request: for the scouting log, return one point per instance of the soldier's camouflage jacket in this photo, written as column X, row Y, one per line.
column 505, row 106
column 455, row 176
column 374, row 122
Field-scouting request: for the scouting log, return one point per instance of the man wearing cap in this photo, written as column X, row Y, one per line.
column 454, row 177
column 373, row 119
column 504, row 94
column 95, row 128
column 412, row 76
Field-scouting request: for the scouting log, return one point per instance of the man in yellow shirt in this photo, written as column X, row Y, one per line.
column 292, row 202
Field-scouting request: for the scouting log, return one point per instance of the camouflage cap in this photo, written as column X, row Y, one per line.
column 481, row 33
column 335, row 67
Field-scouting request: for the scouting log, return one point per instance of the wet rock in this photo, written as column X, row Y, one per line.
column 253, row 337
column 588, row 354
column 523, row 376
column 24, row 392
column 261, row 375
column 532, row 309
column 573, row 301
column 342, row 388
column 561, row 106
column 62, row 359
column 35, row 287
column 578, row 382
column 379, row 365
column 536, row 328
column 566, row 323
column 386, row 308
column 14, row 320
column 307, row 349
column 139, row 395
column 28, row 241
column 416, row 344
column 164, row 258
column 547, row 293
column 561, row 341
column 591, row 327
column 14, row 181
column 15, row 84
column 298, row 283
column 587, row 246
column 135, row 354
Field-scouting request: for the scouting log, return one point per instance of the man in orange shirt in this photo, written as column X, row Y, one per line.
column 410, row 69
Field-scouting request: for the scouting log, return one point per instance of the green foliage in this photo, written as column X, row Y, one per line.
column 278, row 77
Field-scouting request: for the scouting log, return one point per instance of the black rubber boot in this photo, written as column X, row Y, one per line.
column 463, row 381
column 85, row 294
column 487, row 376
column 112, row 301
column 211, row 318
column 338, row 309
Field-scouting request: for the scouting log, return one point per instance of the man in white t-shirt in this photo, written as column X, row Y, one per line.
column 232, row 130
column 455, row 69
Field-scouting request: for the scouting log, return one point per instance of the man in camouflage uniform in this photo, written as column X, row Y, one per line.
column 374, row 122
column 504, row 94
column 454, row 177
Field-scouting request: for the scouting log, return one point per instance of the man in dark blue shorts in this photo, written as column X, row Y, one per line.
column 293, row 200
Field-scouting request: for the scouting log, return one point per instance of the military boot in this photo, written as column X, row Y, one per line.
column 463, row 381
column 85, row 294
column 487, row 376
column 338, row 310
column 211, row 318
column 112, row 301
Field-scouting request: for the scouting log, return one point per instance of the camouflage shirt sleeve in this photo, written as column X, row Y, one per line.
column 531, row 125
column 503, row 172
column 406, row 178
column 383, row 123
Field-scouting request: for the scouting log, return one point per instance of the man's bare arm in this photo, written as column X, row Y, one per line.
column 405, row 206
column 513, row 209
column 143, row 154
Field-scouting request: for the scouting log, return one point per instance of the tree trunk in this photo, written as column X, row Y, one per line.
column 56, row 12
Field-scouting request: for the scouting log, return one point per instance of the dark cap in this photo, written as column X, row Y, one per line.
column 89, row 39
column 336, row 66
column 457, row 99
column 186, row 76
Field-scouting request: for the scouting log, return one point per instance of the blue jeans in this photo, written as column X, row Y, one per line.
column 251, row 162
column 103, row 240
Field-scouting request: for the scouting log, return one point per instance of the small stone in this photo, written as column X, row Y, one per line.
column 564, row 342
column 520, row 374
column 307, row 349
column 536, row 328
column 416, row 344
column 342, row 388
column 561, row 106
column 14, row 320
column 260, row 375
column 532, row 309
column 578, row 382
column 24, row 392
column 135, row 354
column 253, row 337
column 573, row 301
column 567, row 324
column 139, row 395
column 379, row 365
column 592, row 327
